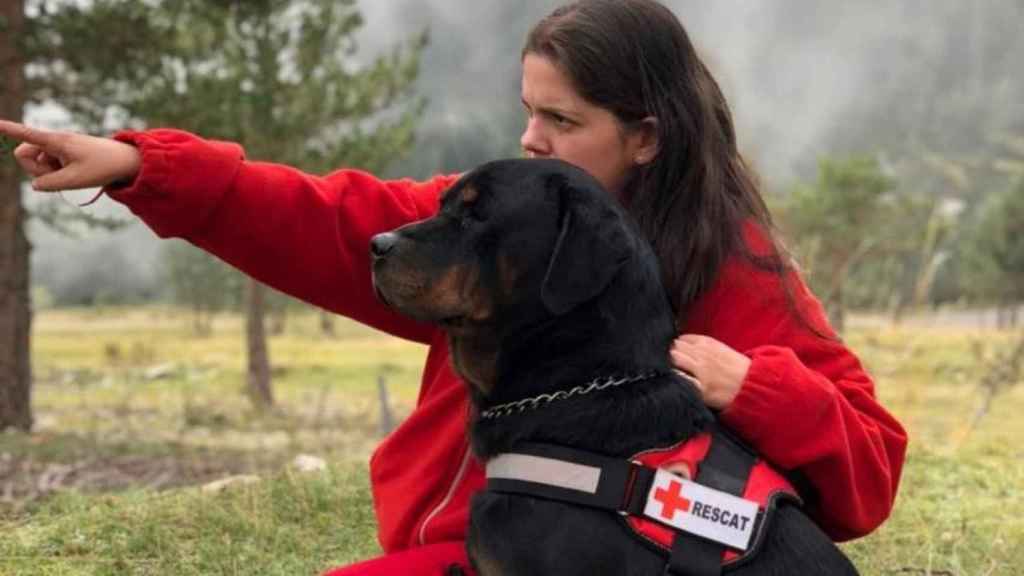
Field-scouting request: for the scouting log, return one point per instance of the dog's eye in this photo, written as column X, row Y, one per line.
column 471, row 214
column 463, row 219
column 470, row 217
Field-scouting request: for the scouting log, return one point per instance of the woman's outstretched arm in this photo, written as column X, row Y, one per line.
column 305, row 235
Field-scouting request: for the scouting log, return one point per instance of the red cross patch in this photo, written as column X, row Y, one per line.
column 671, row 500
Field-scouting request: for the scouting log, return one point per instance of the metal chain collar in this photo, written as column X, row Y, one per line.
column 595, row 385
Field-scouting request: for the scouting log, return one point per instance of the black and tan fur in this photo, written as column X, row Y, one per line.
column 542, row 283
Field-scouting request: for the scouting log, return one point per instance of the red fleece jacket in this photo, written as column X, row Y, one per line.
column 806, row 405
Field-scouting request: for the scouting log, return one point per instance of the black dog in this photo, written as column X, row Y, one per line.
column 558, row 321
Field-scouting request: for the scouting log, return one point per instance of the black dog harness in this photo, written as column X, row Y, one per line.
column 720, row 518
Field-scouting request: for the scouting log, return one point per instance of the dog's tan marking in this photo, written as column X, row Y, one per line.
column 473, row 351
column 445, row 293
column 475, row 358
column 457, row 292
column 485, row 565
column 508, row 275
column 470, row 194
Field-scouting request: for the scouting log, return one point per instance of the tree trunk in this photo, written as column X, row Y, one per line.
column 15, row 310
column 256, row 340
column 897, row 306
column 836, row 310
column 202, row 322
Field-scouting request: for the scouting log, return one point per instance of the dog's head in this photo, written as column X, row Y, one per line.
column 513, row 238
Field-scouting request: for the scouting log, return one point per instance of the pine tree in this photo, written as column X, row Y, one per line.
column 281, row 77
column 15, row 311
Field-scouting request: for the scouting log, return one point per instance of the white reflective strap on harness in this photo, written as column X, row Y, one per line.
column 666, row 498
column 549, row 471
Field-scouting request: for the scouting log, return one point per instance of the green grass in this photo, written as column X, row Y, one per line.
column 95, row 376
column 285, row 524
column 131, row 448
column 960, row 509
column 955, row 514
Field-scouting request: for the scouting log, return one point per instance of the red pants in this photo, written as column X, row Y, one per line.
column 433, row 560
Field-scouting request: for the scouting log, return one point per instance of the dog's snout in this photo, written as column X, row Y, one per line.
column 382, row 244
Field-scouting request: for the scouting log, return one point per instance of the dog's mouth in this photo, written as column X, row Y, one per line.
column 424, row 301
column 380, row 295
column 452, row 322
column 400, row 292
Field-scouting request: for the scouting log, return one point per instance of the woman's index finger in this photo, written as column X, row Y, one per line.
column 21, row 133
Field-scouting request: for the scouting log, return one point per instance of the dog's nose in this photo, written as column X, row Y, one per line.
column 382, row 244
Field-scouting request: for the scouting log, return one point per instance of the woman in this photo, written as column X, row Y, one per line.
column 615, row 87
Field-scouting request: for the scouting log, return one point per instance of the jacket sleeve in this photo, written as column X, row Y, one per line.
column 807, row 404
column 304, row 235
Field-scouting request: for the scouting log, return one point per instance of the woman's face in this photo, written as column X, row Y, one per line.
column 561, row 124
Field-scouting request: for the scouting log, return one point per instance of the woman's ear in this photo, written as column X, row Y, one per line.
column 645, row 140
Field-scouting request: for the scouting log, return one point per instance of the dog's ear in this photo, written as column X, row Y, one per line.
column 593, row 244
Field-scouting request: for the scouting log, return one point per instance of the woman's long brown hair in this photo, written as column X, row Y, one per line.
column 633, row 58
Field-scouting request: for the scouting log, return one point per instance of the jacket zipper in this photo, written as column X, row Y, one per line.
column 447, row 497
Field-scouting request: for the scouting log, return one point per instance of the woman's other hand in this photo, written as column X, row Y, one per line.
column 68, row 160
column 719, row 369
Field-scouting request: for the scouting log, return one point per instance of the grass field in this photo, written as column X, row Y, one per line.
column 134, row 414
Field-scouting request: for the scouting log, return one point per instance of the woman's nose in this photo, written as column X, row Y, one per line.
column 532, row 140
